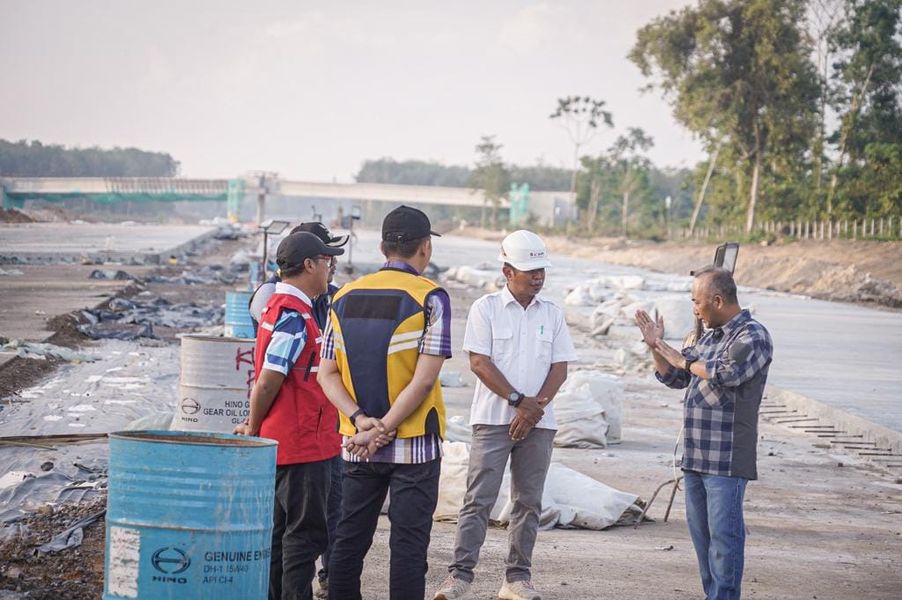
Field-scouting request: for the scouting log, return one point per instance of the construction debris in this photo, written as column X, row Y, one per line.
column 129, row 319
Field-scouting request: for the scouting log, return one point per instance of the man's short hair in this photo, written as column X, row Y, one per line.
column 291, row 271
column 404, row 249
column 720, row 282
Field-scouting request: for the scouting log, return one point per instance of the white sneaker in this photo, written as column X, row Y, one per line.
column 518, row 590
column 453, row 589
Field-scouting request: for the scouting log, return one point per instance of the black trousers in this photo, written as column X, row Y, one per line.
column 333, row 511
column 414, row 494
column 299, row 532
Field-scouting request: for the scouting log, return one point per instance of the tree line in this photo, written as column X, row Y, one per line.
column 419, row 172
column 34, row 159
column 798, row 104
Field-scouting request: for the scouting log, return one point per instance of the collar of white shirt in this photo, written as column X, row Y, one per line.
column 507, row 297
column 287, row 288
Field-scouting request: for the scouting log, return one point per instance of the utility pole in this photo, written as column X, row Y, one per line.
column 267, row 184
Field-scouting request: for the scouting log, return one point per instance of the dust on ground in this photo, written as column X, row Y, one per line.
column 865, row 272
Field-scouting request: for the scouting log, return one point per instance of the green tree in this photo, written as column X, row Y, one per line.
column 34, row 159
column 737, row 73
column 580, row 117
column 413, row 172
column 868, row 99
column 594, row 182
column 622, row 170
column 490, row 176
column 627, row 154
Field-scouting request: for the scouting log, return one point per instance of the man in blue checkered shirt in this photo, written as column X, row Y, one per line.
column 724, row 375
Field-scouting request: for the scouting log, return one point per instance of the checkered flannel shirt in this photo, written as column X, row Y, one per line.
column 720, row 414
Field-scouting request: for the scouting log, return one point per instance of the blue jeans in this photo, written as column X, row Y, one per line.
column 717, row 529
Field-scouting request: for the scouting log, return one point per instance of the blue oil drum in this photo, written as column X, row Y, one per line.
column 238, row 322
column 189, row 515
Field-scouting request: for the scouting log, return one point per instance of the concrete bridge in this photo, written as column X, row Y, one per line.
column 549, row 207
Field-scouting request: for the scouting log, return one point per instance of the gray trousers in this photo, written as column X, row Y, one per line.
column 530, row 457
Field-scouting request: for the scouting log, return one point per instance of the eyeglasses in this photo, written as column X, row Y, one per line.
column 331, row 259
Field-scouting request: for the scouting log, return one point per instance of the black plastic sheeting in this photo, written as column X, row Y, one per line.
column 55, row 487
column 129, row 319
column 70, row 537
column 206, row 275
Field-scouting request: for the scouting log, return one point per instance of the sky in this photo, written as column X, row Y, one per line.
column 312, row 89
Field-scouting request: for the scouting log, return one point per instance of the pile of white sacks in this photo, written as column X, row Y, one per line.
column 484, row 276
column 617, row 298
column 589, row 413
column 588, row 409
column 570, row 499
column 614, row 301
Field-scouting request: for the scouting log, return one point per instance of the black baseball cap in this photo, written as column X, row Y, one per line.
column 320, row 231
column 297, row 247
column 406, row 223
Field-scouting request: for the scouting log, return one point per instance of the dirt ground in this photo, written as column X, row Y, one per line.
column 34, row 299
column 820, row 525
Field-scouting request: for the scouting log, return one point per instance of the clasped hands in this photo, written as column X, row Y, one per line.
column 529, row 412
column 371, row 435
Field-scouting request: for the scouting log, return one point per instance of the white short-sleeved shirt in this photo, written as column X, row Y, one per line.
column 523, row 344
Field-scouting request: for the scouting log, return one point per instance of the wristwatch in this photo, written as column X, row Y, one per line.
column 515, row 398
column 689, row 362
column 353, row 417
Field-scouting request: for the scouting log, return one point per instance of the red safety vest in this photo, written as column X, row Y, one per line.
column 301, row 418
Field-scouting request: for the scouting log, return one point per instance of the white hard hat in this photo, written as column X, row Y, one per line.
column 524, row 250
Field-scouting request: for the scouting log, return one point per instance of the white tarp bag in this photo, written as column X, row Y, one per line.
column 452, row 484
column 582, row 502
column 570, row 499
column 478, row 278
column 626, row 282
column 457, row 430
column 606, row 390
column 580, row 419
column 579, row 296
column 677, row 313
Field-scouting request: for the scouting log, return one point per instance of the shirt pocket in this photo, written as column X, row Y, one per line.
column 544, row 344
column 502, row 342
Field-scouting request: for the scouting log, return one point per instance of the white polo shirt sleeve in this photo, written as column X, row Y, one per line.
column 562, row 349
column 478, row 333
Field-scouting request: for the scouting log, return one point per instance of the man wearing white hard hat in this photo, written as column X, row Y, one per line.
column 519, row 347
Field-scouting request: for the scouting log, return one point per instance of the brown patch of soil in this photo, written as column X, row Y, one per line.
column 77, row 574
column 73, row 574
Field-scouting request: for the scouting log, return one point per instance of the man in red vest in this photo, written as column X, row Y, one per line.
column 287, row 405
